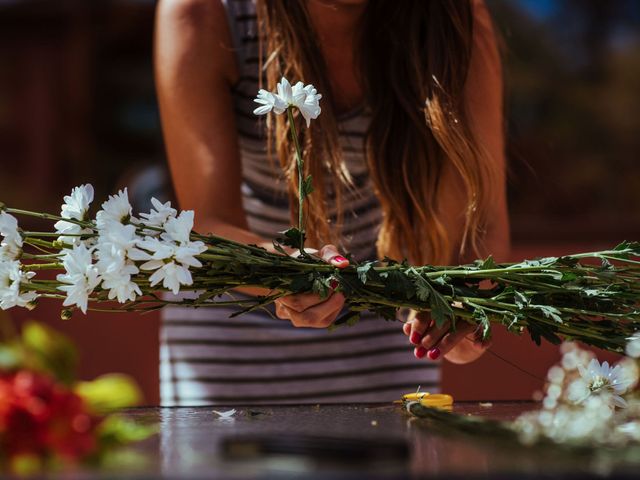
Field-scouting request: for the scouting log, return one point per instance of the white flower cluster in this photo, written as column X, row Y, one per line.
column 580, row 401
column 160, row 239
column 303, row 97
column 12, row 273
column 108, row 253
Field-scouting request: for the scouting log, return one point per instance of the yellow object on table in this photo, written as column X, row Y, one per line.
column 435, row 400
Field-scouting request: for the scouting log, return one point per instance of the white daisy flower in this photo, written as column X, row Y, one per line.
column 75, row 207
column 116, row 245
column 77, row 204
column 11, row 277
column 159, row 250
column 116, row 209
column 307, row 100
column 603, row 378
column 172, row 275
column 269, row 102
column 11, row 243
column 633, row 346
column 120, row 285
column 179, row 229
column 285, row 92
column 159, row 214
column 185, row 254
column 303, row 97
column 171, row 262
column 81, row 276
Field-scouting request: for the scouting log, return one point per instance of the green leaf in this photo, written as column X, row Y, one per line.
column 440, row 308
column 109, row 392
column 397, row 283
column 549, row 312
column 116, row 430
column 606, row 264
column 292, row 238
column 522, row 301
column 488, row 264
column 442, row 280
column 53, row 352
column 423, row 288
column 11, row 357
column 278, row 248
column 321, row 287
column 483, row 320
column 307, row 187
column 302, row 283
column 363, row 271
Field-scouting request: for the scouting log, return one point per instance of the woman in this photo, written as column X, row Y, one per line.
column 407, row 160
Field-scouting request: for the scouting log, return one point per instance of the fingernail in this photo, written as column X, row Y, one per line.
column 419, row 352
column 434, row 353
column 339, row 259
column 334, row 284
column 415, row 338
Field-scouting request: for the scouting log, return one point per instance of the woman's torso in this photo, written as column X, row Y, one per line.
column 209, row 358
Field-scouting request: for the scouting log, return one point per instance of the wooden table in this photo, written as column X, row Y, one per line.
column 339, row 441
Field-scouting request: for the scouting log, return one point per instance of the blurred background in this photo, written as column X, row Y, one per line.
column 77, row 105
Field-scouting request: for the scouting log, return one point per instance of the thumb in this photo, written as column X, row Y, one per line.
column 329, row 253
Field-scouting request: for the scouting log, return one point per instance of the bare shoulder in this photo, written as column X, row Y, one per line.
column 197, row 27
column 193, row 11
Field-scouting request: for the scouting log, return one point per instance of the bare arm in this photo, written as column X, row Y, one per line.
column 195, row 69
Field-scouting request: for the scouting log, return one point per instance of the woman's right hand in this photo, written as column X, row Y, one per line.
column 308, row 309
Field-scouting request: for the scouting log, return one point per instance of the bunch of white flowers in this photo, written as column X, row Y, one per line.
column 106, row 257
column 581, row 400
column 13, row 276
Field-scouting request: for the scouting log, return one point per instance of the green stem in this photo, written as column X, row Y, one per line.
column 300, row 164
column 47, row 216
column 43, row 266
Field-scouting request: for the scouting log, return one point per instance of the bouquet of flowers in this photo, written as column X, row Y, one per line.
column 46, row 418
column 588, row 408
column 116, row 255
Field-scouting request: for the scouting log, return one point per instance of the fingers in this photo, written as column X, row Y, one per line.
column 452, row 339
column 418, row 326
column 434, row 336
column 416, row 330
column 320, row 315
column 330, row 254
column 431, row 341
column 465, row 349
column 300, row 301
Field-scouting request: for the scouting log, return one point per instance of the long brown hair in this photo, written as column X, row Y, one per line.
column 413, row 59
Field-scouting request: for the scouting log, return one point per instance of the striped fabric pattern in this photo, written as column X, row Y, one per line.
column 208, row 358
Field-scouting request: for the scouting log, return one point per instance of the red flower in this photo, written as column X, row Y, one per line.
column 40, row 417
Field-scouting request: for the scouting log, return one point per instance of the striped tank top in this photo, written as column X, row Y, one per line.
column 207, row 358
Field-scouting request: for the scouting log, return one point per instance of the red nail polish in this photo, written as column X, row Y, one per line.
column 434, row 353
column 334, row 284
column 420, row 352
column 339, row 259
column 415, row 338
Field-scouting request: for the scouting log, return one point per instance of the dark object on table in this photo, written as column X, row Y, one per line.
column 340, row 450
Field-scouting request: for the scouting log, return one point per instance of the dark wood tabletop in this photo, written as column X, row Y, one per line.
column 341, row 441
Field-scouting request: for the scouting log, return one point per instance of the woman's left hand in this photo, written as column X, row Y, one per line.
column 459, row 346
